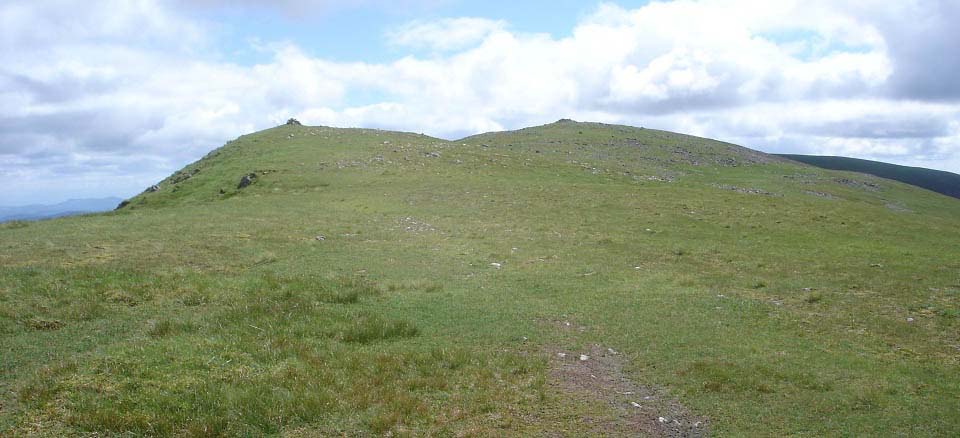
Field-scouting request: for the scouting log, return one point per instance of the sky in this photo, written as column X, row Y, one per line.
column 107, row 97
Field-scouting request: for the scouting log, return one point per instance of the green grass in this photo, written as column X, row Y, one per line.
column 720, row 274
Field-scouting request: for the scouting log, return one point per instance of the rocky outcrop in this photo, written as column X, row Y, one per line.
column 246, row 180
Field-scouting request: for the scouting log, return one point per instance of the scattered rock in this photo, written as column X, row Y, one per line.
column 321, row 238
column 897, row 207
column 820, row 194
column 412, row 225
column 748, row 191
column 246, row 180
column 496, row 265
column 152, row 188
column 584, row 357
column 183, row 175
column 909, row 319
column 864, row 185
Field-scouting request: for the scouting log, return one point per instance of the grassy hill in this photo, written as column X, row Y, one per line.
column 934, row 180
column 567, row 279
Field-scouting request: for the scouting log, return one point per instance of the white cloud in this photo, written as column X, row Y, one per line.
column 445, row 34
column 122, row 91
column 680, row 71
column 312, row 8
column 30, row 25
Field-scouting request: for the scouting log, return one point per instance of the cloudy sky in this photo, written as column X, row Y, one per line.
column 106, row 97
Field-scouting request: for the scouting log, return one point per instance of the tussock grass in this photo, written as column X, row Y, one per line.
column 12, row 225
column 423, row 285
column 371, row 328
column 44, row 324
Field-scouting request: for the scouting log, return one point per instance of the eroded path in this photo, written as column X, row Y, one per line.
column 594, row 376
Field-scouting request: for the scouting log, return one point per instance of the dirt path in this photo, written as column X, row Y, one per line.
column 596, row 376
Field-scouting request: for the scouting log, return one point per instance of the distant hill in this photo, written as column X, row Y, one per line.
column 67, row 208
column 935, row 180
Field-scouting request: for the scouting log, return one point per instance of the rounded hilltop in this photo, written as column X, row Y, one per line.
column 293, row 157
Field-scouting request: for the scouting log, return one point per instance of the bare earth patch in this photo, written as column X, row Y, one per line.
column 597, row 376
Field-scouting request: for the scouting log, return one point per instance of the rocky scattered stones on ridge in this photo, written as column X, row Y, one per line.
column 863, row 185
column 748, row 191
column 183, row 175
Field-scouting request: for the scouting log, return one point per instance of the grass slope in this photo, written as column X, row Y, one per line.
column 934, row 180
column 373, row 282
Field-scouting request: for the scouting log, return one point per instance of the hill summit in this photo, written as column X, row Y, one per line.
column 297, row 157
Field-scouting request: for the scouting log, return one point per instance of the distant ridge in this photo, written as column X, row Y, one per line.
column 939, row 181
column 67, row 208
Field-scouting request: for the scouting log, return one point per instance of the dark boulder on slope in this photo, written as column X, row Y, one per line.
column 246, row 180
